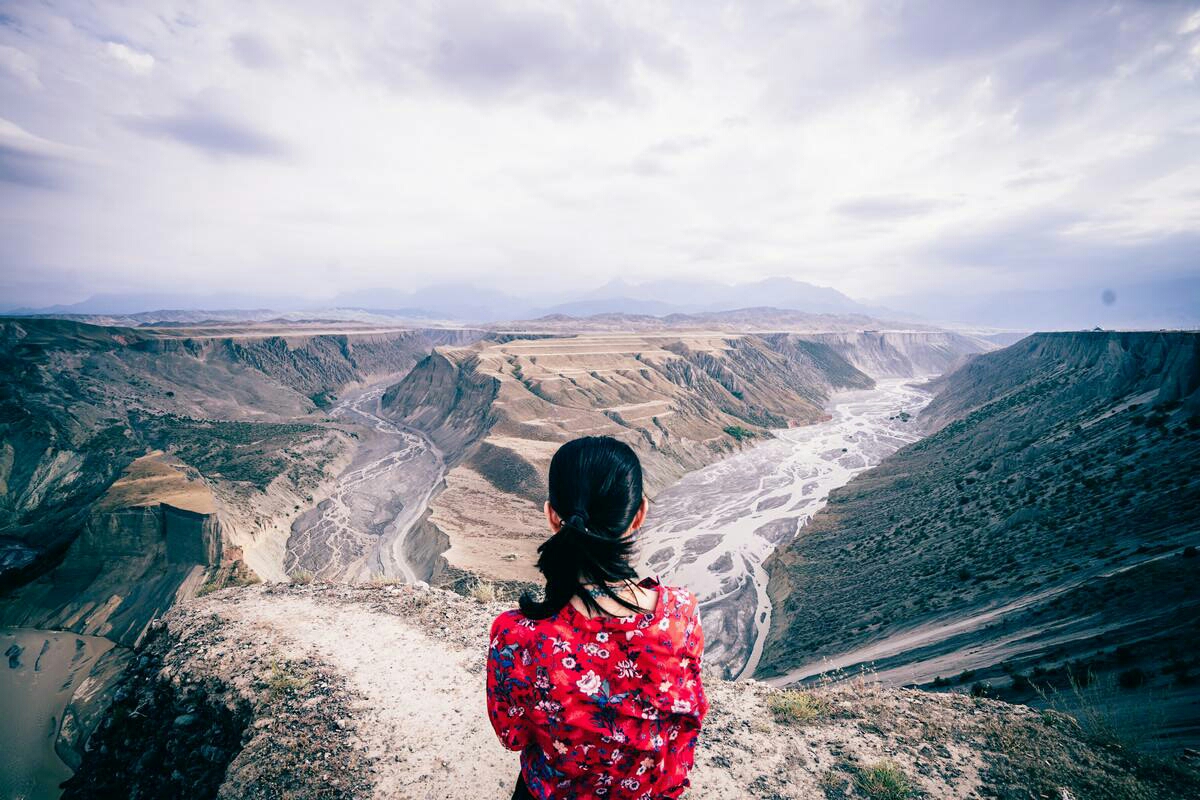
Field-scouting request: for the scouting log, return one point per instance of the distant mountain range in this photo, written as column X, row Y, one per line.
column 758, row 319
column 663, row 297
column 469, row 303
column 1173, row 303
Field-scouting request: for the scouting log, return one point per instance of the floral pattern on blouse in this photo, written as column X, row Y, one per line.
column 604, row 707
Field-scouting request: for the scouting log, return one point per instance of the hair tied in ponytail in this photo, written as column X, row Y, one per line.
column 592, row 477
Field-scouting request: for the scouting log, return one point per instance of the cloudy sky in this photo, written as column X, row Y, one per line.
column 881, row 148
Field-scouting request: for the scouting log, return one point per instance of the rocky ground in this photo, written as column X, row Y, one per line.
column 337, row 691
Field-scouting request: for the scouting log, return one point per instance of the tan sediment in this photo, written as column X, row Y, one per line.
column 491, row 533
column 149, row 481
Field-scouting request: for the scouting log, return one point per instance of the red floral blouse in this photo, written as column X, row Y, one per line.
column 604, row 707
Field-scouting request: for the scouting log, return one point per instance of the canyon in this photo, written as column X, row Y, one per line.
column 806, row 478
column 714, row 529
column 498, row 411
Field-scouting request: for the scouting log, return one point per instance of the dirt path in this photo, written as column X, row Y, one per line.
column 410, row 704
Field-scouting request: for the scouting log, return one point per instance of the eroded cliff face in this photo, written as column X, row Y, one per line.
column 319, row 364
column 78, row 403
column 1097, row 366
column 499, row 410
column 902, row 354
column 1058, row 492
column 449, row 397
column 147, row 543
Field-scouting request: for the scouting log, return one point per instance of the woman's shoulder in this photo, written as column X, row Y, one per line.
column 680, row 598
column 511, row 626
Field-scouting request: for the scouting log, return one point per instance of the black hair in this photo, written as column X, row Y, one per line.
column 596, row 489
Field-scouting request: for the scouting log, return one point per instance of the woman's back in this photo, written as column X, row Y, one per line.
column 604, row 707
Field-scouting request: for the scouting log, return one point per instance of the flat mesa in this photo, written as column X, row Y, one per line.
column 149, row 480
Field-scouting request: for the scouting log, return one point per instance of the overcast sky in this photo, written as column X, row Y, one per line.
column 315, row 147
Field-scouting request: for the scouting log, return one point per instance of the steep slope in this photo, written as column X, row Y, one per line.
column 54, row 689
column 498, row 411
column 356, row 692
column 148, row 541
column 1098, row 366
column 1037, row 532
column 79, row 402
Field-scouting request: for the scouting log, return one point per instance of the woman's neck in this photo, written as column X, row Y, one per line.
column 628, row 590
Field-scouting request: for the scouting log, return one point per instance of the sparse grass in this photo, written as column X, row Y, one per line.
column 386, row 580
column 484, row 592
column 223, row 577
column 285, row 680
column 884, row 780
column 1047, row 756
column 796, row 707
column 832, row 783
column 302, row 578
column 1096, row 705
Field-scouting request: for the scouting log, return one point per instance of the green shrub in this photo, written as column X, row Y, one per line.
column 884, row 780
column 738, row 432
column 795, row 707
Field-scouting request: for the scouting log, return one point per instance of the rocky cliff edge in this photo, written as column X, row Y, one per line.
column 334, row 691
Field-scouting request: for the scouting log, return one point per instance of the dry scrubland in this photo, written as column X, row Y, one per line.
column 346, row 692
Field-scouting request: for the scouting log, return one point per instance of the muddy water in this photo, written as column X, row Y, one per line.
column 39, row 671
column 713, row 529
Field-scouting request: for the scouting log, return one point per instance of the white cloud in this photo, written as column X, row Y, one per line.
column 20, row 65
column 410, row 143
column 15, row 137
column 1191, row 24
column 138, row 62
